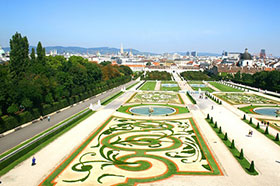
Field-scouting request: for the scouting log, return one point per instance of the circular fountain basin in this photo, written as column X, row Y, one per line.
column 268, row 111
column 156, row 110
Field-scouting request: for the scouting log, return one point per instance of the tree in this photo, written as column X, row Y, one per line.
column 32, row 55
column 18, row 55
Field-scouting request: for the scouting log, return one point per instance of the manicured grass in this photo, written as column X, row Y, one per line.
column 125, row 109
column 169, row 88
column 149, row 85
column 224, row 88
column 45, row 143
column 243, row 162
column 110, row 99
column 132, row 86
column 249, row 109
column 31, row 139
column 208, row 89
column 269, row 136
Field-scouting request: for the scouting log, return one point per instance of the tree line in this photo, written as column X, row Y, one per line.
column 36, row 84
column 157, row 75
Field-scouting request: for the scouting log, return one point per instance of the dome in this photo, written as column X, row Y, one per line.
column 246, row 55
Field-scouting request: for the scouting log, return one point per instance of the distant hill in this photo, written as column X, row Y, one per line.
column 81, row 50
column 104, row 50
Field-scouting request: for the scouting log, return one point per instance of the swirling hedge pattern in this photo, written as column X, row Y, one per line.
column 129, row 151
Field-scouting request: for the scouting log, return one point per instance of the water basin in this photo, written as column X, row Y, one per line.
column 152, row 110
column 269, row 111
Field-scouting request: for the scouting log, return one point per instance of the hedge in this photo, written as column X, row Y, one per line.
column 25, row 117
column 9, row 122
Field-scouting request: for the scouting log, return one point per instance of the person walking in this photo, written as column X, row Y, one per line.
column 33, row 161
column 49, row 118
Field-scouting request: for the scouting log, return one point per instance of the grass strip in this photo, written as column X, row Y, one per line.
column 131, row 86
column 191, row 98
column 42, row 133
column 45, row 141
column 110, row 99
column 269, row 136
column 224, row 88
column 234, row 151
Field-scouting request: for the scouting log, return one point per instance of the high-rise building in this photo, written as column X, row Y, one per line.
column 262, row 54
column 121, row 51
column 194, row 54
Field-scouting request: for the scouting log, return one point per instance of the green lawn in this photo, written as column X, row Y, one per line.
column 224, row 88
column 110, row 99
column 150, row 85
column 169, row 88
column 181, row 110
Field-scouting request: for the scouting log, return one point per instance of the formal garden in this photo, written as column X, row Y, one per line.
column 149, row 85
column 156, row 97
column 224, row 88
column 244, row 98
column 169, row 86
column 199, row 85
column 126, row 151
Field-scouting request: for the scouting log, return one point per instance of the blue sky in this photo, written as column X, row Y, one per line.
column 146, row 25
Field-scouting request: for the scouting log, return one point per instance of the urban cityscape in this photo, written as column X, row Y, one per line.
column 146, row 93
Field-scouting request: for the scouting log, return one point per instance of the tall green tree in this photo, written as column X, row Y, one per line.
column 18, row 55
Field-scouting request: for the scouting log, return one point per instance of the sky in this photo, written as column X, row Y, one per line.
column 146, row 25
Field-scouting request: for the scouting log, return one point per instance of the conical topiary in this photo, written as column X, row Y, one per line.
column 266, row 130
column 216, row 125
column 244, row 117
column 232, row 144
column 250, row 122
column 220, row 129
column 208, row 116
column 252, row 167
column 241, row 155
column 211, row 120
column 258, row 126
column 225, row 137
column 277, row 137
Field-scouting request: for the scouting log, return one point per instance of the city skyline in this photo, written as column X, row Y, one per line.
column 178, row 26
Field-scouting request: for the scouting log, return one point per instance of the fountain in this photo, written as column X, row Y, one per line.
column 152, row 110
column 269, row 111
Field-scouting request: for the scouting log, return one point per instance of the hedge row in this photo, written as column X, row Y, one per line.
column 13, row 121
column 26, row 150
column 213, row 98
column 191, row 98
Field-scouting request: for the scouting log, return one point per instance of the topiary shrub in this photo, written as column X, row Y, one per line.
column 241, row 155
column 244, row 117
column 258, row 126
column 225, row 137
column 277, row 137
column 211, row 120
column 220, row 130
column 216, row 125
column 208, row 116
column 250, row 122
column 232, row 144
column 252, row 167
column 266, row 130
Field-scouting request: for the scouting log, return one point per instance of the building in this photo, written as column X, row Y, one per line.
column 262, row 54
column 194, row 54
column 245, row 59
column 2, row 52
